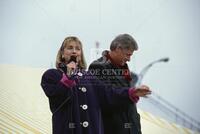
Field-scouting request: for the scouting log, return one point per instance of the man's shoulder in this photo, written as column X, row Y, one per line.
column 98, row 63
column 100, row 60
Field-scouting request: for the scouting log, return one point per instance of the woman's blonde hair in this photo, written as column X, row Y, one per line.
column 59, row 58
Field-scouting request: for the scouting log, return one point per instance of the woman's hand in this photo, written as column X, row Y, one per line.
column 67, row 82
column 71, row 67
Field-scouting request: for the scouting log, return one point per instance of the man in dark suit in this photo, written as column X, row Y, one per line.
column 114, row 71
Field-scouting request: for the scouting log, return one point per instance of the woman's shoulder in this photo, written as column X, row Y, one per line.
column 51, row 70
column 52, row 73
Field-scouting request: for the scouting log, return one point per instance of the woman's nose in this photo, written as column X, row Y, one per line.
column 74, row 50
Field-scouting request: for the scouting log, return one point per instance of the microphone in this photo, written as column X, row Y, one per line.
column 72, row 59
column 72, row 71
column 63, row 66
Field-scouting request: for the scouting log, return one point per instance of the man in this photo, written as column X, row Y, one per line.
column 113, row 70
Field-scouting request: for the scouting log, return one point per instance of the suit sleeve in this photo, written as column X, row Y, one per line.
column 110, row 96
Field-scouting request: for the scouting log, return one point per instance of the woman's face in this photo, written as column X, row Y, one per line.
column 72, row 49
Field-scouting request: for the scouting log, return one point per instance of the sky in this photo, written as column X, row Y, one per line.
column 31, row 32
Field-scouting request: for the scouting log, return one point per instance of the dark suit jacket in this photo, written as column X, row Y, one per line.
column 117, row 119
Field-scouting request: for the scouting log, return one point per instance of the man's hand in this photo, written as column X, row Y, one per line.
column 142, row 91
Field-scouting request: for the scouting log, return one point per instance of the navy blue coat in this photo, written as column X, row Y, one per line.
column 77, row 110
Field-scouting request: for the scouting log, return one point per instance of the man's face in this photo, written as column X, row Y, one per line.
column 123, row 55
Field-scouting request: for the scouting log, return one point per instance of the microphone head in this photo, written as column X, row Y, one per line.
column 72, row 58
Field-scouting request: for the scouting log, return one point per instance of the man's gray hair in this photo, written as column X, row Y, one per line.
column 124, row 41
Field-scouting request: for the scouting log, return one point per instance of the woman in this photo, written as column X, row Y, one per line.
column 75, row 96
